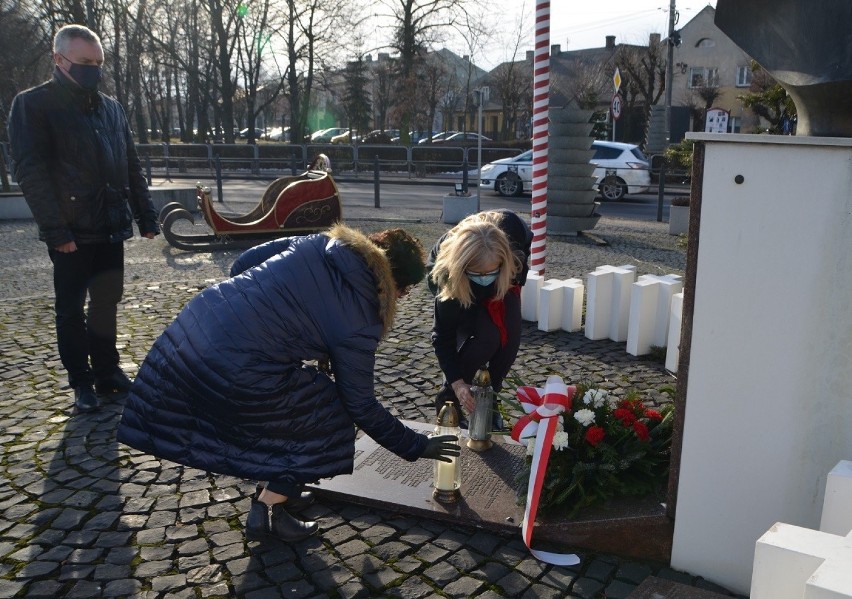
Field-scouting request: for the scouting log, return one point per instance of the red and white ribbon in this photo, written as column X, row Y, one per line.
column 542, row 407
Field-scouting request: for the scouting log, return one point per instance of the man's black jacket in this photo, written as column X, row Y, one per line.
column 77, row 165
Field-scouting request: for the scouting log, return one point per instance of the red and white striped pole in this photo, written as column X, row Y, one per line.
column 541, row 96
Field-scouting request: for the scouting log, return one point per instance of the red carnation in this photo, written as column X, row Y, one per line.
column 595, row 435
column 641, row 430
column 653, row 414
column 626, row 417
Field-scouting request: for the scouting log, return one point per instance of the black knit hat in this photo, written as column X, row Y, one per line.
column 405, row 254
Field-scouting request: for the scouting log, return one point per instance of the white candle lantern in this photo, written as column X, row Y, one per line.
column 448, row 474
column 480, row 418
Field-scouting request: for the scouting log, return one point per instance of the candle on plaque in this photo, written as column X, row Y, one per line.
column 447, row 474
column 480, row 418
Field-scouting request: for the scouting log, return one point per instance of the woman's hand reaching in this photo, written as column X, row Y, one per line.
column 442, row 447
column 463, row 394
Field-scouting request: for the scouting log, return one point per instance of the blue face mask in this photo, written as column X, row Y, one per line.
column 483, row 279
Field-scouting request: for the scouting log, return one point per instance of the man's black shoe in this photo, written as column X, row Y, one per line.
column 85, row 399
column 117, row 382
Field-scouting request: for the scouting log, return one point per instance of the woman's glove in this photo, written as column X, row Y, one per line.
column 442, row 447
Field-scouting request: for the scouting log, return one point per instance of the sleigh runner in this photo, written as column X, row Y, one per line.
column 294, row 205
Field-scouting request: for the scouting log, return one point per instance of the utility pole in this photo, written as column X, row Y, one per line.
column 670, row 73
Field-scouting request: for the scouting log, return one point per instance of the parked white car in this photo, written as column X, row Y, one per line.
column 621, row 169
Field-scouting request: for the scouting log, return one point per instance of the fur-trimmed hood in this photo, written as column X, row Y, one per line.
column 378, row 263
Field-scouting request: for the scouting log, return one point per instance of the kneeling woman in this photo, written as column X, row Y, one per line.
column 227, row 388
column 477, row 270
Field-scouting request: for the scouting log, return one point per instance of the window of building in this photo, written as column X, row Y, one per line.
column 735, row 123
column 743, row 76
column 705, row 42
column 703, row 77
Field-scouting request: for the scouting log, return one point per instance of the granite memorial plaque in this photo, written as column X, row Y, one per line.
column 634, row 527
column 488, row 487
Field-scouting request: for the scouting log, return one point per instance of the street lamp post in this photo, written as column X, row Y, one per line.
column 670, row 73
column 482, row 95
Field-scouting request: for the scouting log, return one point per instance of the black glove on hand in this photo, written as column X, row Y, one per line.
column 442, row 447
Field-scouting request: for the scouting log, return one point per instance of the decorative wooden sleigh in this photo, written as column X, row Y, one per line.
column 294, row 205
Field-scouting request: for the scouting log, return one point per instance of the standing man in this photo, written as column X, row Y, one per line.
column 77, row 165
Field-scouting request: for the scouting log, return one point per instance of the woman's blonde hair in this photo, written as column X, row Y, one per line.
column 476, row 239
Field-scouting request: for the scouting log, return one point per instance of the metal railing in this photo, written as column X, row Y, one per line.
column 274, row 160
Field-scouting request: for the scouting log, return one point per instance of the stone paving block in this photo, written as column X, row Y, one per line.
column 85, row 589
column 513, row 583
column 633, row 572
column 465, row 560
column 327, row 579
column 150, row 569
column 37, row 569
column 618, row 589
column 381, row 578
column 541, row 591
column 44, row 589
column 390, row 551
column 122, row 587
column 587, row 588
column 441, row 573
column 204, row 574
column 267, row 593
column 284, row 571
column 168, row 582
column 111, row 571
column 599, row 570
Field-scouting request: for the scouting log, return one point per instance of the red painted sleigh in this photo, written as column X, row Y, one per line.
column 295, row 205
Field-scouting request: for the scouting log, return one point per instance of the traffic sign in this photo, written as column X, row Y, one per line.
column 615, row 106
column 616, row 79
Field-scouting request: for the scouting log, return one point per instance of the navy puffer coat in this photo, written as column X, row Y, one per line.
column 226, row 388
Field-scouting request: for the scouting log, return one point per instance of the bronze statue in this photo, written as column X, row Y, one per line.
column 807, row 46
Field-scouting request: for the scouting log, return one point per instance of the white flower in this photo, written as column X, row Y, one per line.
column 595, row 397
column 531, row 446
column 584, row 417
column 560, row 441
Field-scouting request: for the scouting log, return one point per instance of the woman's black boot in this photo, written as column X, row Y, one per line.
column 257, row 521
column 287, row 528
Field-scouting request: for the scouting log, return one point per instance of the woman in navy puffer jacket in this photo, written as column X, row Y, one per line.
column 226, row 387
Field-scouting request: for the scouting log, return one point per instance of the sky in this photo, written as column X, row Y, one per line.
column 578, row 24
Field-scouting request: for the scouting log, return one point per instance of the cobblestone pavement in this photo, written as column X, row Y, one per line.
column 83, row 516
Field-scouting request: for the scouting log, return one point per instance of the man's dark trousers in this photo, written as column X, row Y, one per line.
column 97, row 270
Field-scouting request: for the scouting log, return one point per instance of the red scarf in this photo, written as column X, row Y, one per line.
column 497, row 311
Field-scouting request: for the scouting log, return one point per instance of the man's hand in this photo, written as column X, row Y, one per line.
column 465, row 397
column 66, row 248
column 442, row 447
column 149, row 235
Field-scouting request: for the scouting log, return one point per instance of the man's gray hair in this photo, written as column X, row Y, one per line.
column 63, row 37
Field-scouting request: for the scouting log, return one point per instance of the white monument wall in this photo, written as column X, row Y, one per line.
column 769, row 397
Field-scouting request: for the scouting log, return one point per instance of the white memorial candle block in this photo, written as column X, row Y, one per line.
column 573, row 293
column 650, row 307
column 837, row 504
column 675, row 322
column 608, row 302
column 793, row 562
column 529, row 296
column 550, row 305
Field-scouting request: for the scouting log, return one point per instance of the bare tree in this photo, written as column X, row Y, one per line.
column 512, row 80
column 643, row 70
column 418, row 25
column 253, row 48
